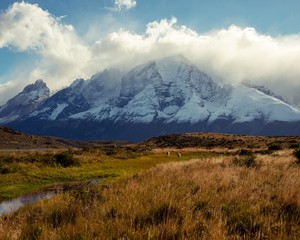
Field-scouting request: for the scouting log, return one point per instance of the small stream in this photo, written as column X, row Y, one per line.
column 10, row 206
column 13, row 205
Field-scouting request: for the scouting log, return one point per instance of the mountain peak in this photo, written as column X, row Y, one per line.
column 25, row 102
column 162, row 96
column 77, row 83
column 39, row 81
column 40, row 86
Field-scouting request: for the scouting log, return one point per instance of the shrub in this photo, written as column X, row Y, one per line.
column 5, row 169
column 31, row 232
column 159, row 215
column 66, row 159
column 294, row 145
column 248, row 161
column 274, row 146
column 60, row 216
column 245, row 152
column 290, row 212
column 163, row 213
column 239, row 220
column 203, row 207
column 297, row 155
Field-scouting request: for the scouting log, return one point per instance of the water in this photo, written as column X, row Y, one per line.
column 10, row 206
column 13, row 205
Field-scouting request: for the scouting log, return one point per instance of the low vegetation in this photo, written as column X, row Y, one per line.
column 245, row 195
column 275, row 146
column 297, row 156
column 25, row 172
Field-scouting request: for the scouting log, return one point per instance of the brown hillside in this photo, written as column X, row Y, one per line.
column 11, row 139
column 212, row 140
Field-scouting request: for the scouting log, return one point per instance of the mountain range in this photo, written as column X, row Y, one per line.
column 163, row 96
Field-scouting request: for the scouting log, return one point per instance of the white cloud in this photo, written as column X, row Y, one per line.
column 233, row 54
column 59, row 52
column 123, row 5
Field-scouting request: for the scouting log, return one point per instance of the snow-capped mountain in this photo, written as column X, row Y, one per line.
column 25, row 102
column 246, row 104
column 166, row 90
column 174, row 90
column 80, row 96
column 169, row 95
column 264, row 90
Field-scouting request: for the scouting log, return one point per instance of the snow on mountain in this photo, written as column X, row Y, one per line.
column 80, row 96
column 25, row 102
column 263, row 89
column 161, row 96
column 174, row 90
column 102, row 86
column 246, row 104
column 168, row 90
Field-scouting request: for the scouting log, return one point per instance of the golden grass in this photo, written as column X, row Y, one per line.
column 197, row 199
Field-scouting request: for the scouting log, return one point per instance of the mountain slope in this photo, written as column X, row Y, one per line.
column 174, row 90
column 163, row 96
column 80, row 96
column 25, row 102
column 11, row 139
column 166, row 90
column 247, row 104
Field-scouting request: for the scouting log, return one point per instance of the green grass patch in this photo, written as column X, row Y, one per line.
column 22, row 173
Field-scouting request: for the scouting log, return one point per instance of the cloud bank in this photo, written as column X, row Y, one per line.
column 231, row 55
column 123, row 5
column 59, row 52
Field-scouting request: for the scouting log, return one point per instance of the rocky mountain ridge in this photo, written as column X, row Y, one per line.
column 163, row 96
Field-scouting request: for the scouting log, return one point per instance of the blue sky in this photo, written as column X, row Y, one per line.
column 270, row 16
column 96, row 31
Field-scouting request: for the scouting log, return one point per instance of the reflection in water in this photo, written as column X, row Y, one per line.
column 15, row 204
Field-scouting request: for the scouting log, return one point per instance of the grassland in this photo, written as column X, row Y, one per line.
column 25, row 172
column 210, row 193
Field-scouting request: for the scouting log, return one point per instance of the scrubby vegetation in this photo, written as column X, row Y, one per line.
column 211, row 198
column 246, row 158
column 25, row 172
column 65, row 159
column 297, row 156
column 275, row 146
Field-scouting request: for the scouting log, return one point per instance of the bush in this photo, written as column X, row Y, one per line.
column 274, row 146
column 61, row 216
column 294, row 145
column 163, row 213
column 66, row 159
column 239, row 220
column 245, row 152
column 297, row 155
column 31, row 232
column 159, row 215
column 7, row 169
column 248, row 161
column 204, row 208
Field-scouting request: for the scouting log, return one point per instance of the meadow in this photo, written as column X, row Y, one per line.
column 25, row 172
column 205, row 194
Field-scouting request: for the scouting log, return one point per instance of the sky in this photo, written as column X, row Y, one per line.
column 231, row 40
